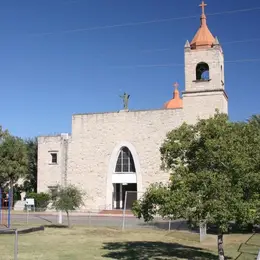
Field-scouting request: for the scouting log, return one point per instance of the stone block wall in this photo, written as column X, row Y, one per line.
column 203, row 105
column 49, row 174
column 94, row 138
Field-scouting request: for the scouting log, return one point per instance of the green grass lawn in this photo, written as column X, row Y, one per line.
column 106, row 243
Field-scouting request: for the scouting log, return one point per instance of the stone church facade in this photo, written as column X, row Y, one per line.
column 107, row 154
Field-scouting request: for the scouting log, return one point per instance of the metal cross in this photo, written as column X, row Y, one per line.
column 203, row 5
column 176, row 85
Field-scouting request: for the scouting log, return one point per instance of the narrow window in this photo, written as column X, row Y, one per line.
column 54, row 158
column 202, row 71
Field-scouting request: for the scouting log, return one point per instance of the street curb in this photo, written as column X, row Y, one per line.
column 73, row 215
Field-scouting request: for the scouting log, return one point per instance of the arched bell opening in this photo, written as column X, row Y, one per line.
column 202, row 71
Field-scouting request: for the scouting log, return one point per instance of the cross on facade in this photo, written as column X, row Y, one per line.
column 203, row 5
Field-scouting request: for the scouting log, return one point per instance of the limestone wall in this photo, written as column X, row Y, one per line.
column 203, row 105
column 95, row 136
column 48, row 174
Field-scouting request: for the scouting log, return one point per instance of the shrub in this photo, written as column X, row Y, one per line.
column 68, row 199
column 41, row 200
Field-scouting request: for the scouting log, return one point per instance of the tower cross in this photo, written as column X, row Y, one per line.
column 203, row 5
column 176, row 85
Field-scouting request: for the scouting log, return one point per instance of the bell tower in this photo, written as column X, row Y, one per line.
column 204, row 75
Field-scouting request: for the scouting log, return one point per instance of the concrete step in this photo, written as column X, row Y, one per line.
column 116, row 212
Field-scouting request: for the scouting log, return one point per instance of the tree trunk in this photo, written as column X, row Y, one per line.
column 220, row 247
column 68, row 217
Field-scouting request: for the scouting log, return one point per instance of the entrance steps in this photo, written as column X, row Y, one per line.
column 118, row 212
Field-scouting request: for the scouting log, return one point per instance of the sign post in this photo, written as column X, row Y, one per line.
column 30, row 203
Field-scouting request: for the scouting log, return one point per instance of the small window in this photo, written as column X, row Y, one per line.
column 54, row 158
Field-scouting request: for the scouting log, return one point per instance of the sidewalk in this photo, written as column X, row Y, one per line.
column 76, row 213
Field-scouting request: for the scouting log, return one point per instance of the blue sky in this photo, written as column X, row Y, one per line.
column 51, row 69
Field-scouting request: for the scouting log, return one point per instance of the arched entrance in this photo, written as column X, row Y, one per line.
column 123, row 176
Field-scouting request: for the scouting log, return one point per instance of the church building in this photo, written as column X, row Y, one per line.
column 107, row 154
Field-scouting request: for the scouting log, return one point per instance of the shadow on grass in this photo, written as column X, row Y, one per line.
column 56, row 226
column 154, row 251
column 45, row 219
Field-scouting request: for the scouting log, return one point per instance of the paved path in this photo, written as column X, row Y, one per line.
column 94, row 220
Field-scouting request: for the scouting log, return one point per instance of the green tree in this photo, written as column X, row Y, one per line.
column 30, row 182
column 215, row 170
column 255, row 119
column 13, row 160
column 68, row 199
column 3, row 133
